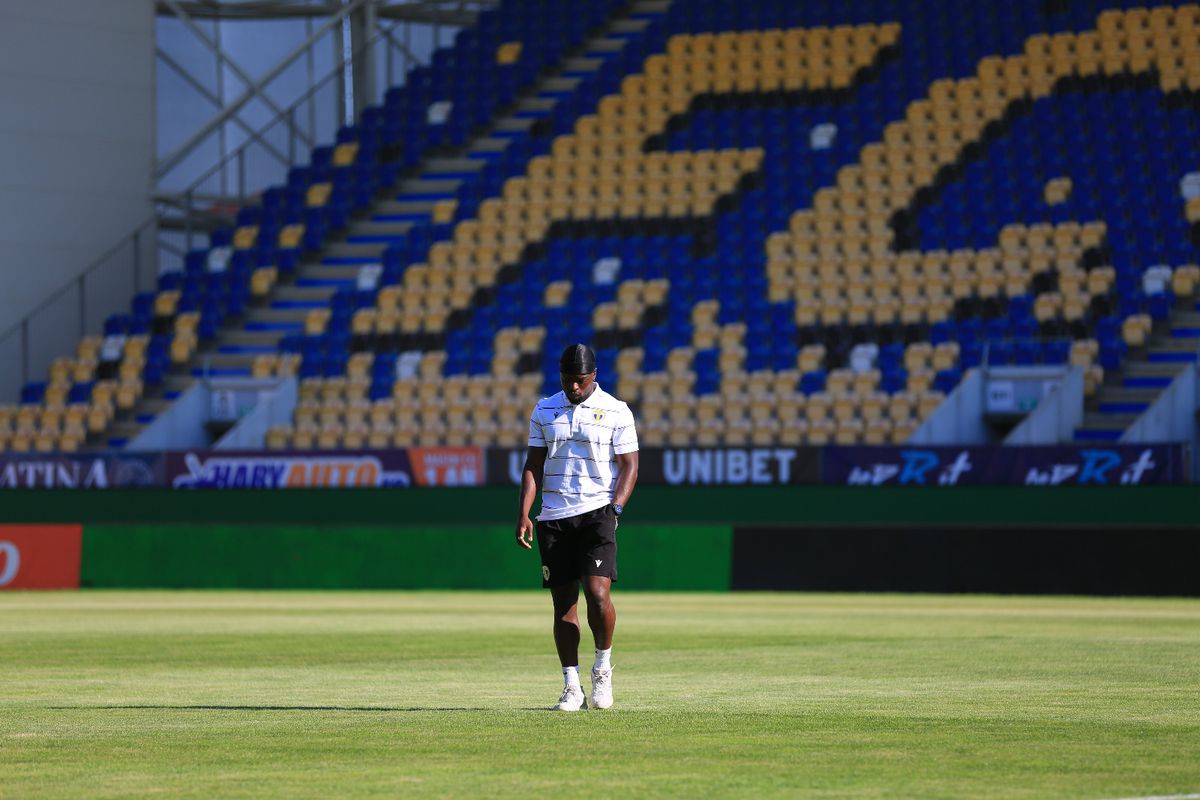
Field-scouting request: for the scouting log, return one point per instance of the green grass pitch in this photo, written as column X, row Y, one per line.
column 442, row 694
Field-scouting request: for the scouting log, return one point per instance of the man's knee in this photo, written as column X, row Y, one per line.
column 565, row 599
column 596, row 590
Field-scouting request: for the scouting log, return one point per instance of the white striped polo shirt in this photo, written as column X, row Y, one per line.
column 582, row 443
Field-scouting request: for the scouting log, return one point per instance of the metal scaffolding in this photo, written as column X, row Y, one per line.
column 372, row 47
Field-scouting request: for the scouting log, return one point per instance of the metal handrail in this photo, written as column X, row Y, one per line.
column 186, row 198
column 254, row 88
column 79, row 282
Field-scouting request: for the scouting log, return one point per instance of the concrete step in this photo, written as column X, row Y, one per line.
column 177, row 383
column 329, row 272
column 1127, row 394
column 490, row 144
column 513, row 124
column 221, row 361
column 346, row 249
column 154, row 405
column 628, row 26
column 582, row 64
column 402, row 207
column 426, row 189
column 261, row 319
column 1097, row 420
column 451, row 167
column 1184, row 325
column 1183, row 351
column 562, row 84
column 124, row 429
column 1124, row 399
column 1151, row 368
column 249, row 338
column 373, row 228
column 301, row 293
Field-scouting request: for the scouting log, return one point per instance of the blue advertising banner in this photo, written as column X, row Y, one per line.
column 1116, row 465
column 219, row 469
column 107, row 471
column 334, row 469
column 694, row 466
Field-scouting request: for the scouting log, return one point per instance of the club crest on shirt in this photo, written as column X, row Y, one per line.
column 597, row 415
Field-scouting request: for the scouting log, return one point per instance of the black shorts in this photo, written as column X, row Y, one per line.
column 573, row 547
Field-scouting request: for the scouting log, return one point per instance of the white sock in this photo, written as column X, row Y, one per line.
column 571, row 676
column 603, row 659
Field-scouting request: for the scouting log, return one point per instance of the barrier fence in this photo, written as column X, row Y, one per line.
column 1117, row 465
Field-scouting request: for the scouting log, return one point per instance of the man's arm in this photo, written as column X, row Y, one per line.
column 531, row 484
column 627, row 463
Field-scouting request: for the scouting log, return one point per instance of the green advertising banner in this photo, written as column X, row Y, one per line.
column 694, row 558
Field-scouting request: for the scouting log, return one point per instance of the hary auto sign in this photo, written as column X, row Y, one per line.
column 213, row 470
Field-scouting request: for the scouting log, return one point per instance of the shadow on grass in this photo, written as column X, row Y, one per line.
column 384, row 709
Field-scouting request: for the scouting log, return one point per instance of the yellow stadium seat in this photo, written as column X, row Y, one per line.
column 304, row 437
column 89, row 348
column 290, row 236
column 818, row 406
column 128, row 393
column 345, row 153
column 279, row 437
column 903, row 429
column 1135, row 330
column 264, row 365
column 245, row 237
column 928, row 403
column 1184, row 280
column 329, row 437
column 849, row 431
column 821, row 432
column 318, row 195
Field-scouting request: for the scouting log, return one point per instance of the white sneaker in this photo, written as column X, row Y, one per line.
column 572, row 699
column 602, row 688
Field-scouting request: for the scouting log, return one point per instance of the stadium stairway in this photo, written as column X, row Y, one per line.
column 1147, row 370
column 420, row 196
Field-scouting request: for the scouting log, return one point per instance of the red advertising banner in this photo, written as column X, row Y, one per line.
column 40, row 556
column 447, row 466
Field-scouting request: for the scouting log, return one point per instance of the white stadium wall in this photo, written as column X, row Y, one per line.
column 77, row 137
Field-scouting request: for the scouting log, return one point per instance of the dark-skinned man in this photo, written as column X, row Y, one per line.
column 583, row 458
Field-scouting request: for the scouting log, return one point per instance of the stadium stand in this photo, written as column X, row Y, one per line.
column 778, row 222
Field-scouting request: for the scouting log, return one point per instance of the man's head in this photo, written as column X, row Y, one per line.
column 577, row 372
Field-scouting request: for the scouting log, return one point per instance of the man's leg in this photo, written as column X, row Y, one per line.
column 602, row 619
column 566, row 622
column 566, row 639
column 601, row 615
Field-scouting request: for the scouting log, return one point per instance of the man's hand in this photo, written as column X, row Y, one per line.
column 525, row 533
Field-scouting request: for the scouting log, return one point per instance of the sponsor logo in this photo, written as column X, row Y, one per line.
column 1100, row 467
column 64, row 472
column 281, row 472
column 916, row 468
column 1050, row 466
column 10, row 562
column 599, row 561
column 54, row 475
column 447, row 466
column 734, row 466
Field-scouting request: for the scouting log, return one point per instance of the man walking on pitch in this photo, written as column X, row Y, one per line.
column 583, row 457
